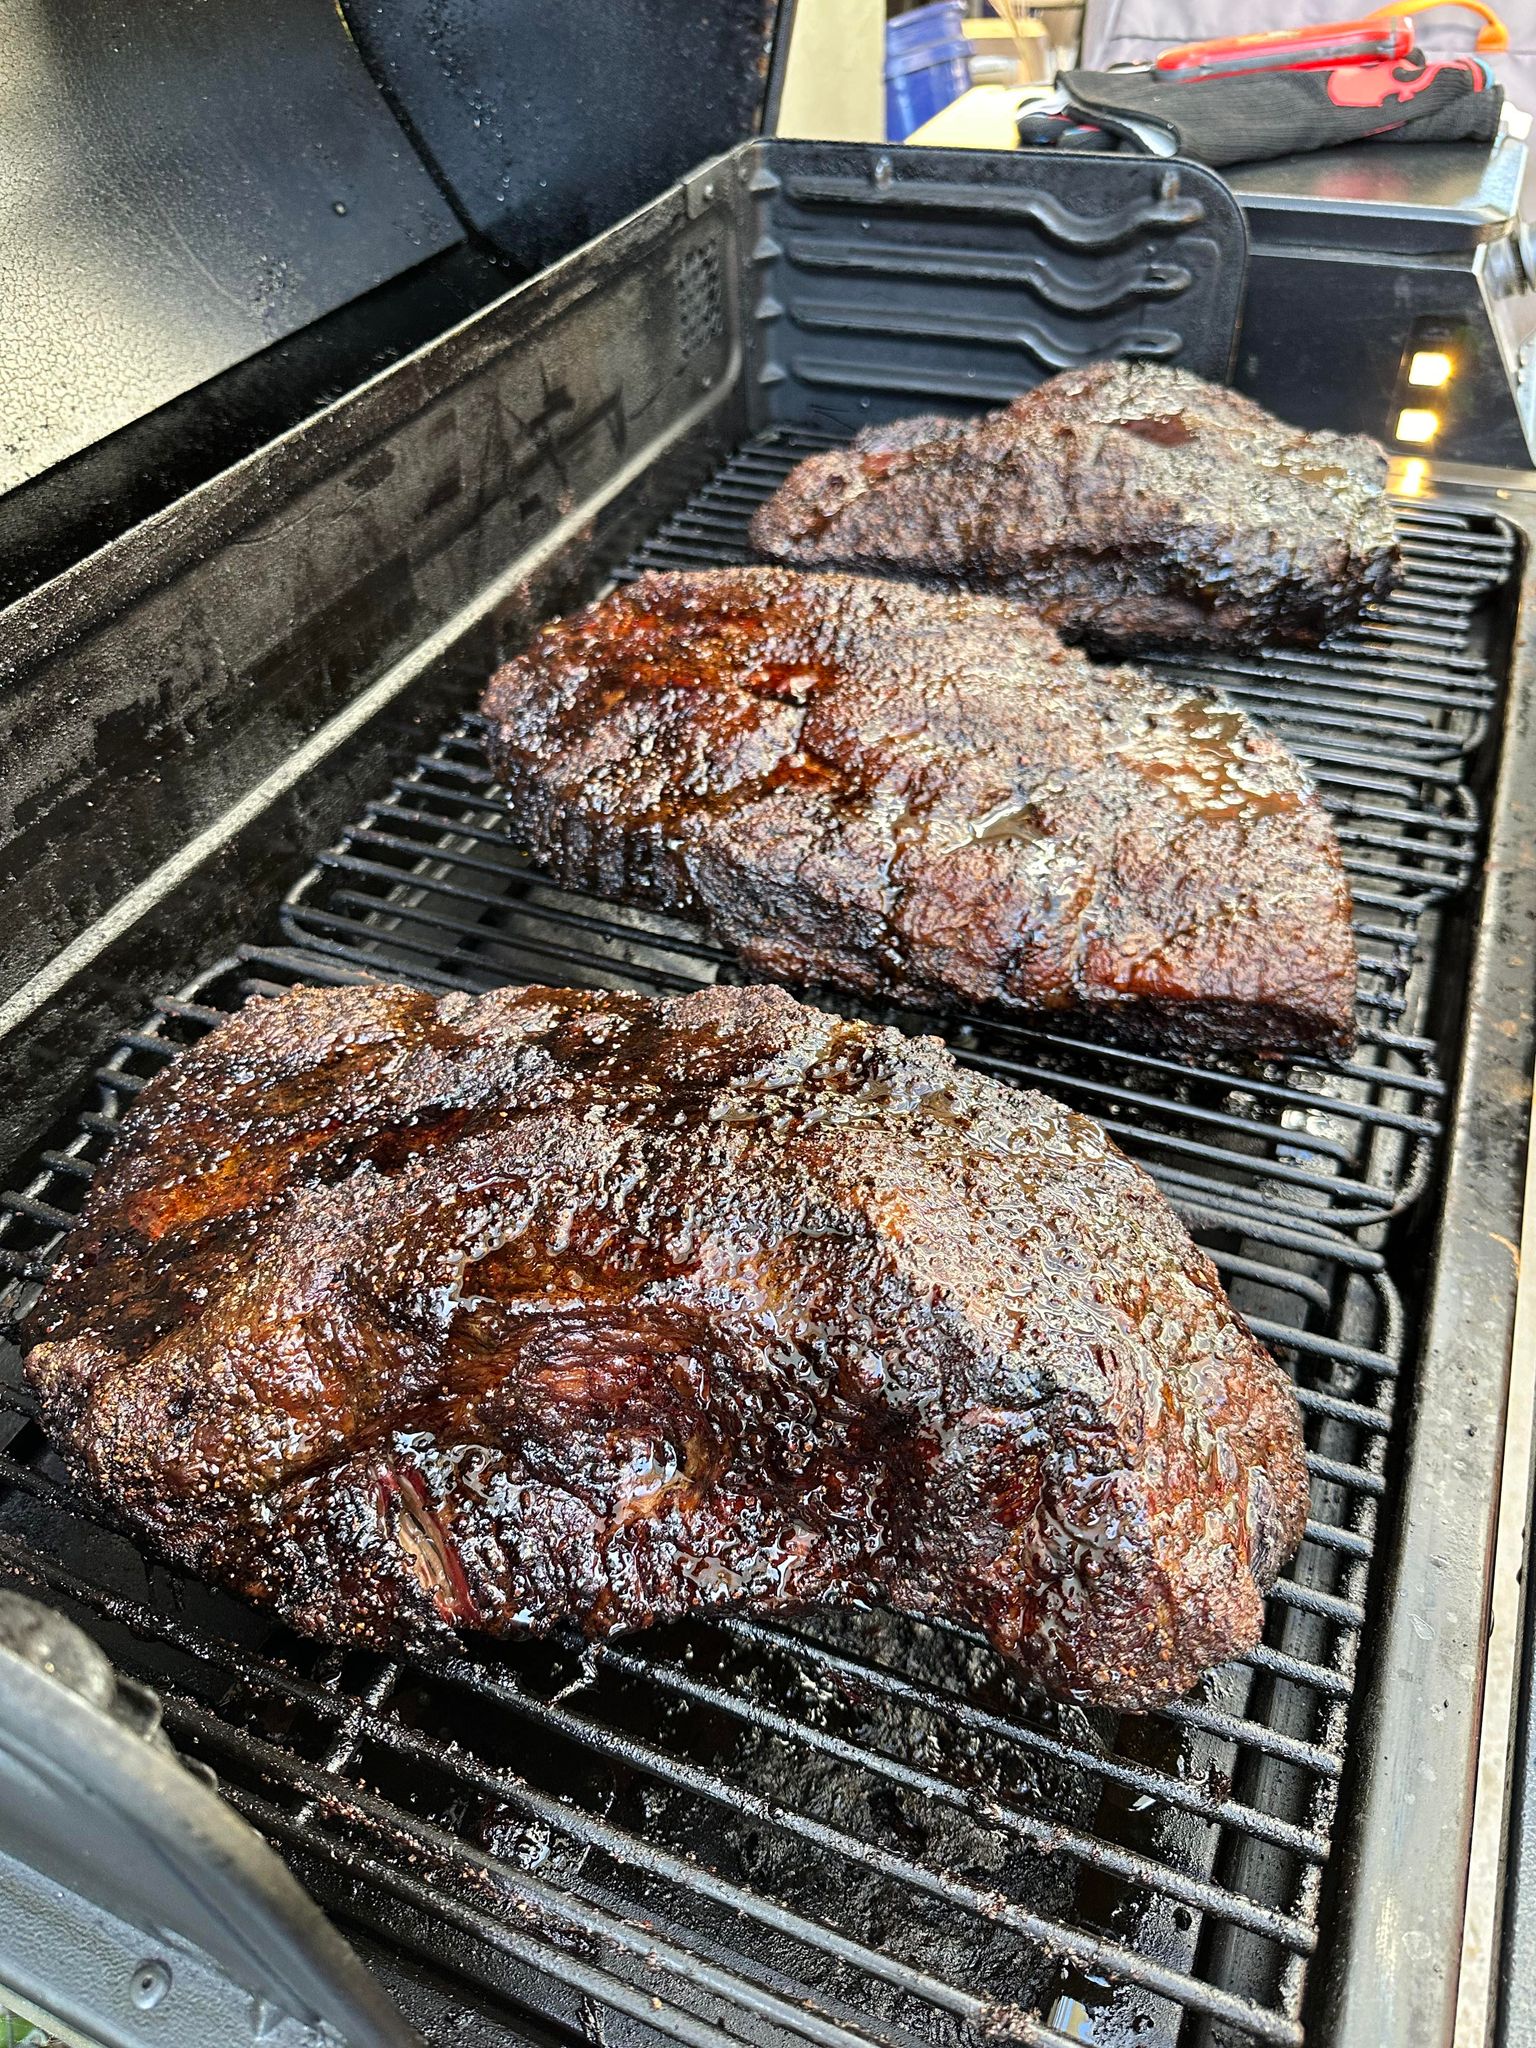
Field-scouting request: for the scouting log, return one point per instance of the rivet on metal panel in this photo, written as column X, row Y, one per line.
column 150, row 1983
column 699, row 193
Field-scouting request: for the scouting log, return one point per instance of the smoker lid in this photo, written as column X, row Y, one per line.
column 192, row 183
column 186, row 184
column 1404, row 199
column 548, row 122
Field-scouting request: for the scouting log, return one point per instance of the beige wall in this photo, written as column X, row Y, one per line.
column 834, row 89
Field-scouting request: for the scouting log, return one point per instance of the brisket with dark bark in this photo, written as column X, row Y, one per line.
column 405, row 1316
column 1132, row 506
column 923, row 795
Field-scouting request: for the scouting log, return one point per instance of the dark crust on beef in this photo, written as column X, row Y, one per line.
column 1133, row 506
column 403, row 1316
column 922, row 795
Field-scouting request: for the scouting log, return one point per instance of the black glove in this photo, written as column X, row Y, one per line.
column 1280, row 113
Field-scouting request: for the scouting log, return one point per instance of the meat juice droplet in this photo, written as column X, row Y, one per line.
column 1204, row 763
column 1014, row 819
column 1168, row 430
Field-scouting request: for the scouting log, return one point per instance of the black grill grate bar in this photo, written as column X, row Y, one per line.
column 1372, row 768
column 1311, row 1600
column 1317, row 1241
column 1315, row 1402
column 1453, row 586
column 1303, row 665
column 1468, row 567
column 1332, row 689
column 62, row 1162
column 1453, row 856
column 1395, row 814
column 1237, row 1266
column 1319, row 1678
column 1455, row 530
column 1395, row 633
column 320, row 1790
column 1359, row 1356
column 1446, row 617
column 1340, row 1473
column 1249, row 1734
column 37, row 1212
column 1348, row 1542
column 1146, row 1871
column 559, row 1918
column 478, row 969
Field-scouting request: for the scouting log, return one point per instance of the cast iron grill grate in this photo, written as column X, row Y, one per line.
column 843, row 1828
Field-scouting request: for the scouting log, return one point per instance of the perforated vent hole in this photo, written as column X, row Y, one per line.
column 700, row 307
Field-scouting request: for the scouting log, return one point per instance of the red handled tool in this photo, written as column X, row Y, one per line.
column 1383, row 37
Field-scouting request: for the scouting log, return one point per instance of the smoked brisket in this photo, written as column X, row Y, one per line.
column 922, row 795
column 403, row 1316
column 1132, row 506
